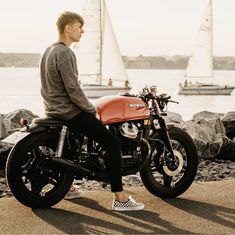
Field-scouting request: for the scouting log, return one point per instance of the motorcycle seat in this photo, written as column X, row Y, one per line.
column 47, row 121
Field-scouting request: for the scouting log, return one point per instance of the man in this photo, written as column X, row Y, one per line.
column 64, row 99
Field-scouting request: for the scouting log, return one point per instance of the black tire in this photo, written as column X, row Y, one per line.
column 32, row 179
column 155, row 178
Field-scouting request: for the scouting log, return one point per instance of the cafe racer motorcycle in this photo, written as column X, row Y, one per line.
column 47, row 156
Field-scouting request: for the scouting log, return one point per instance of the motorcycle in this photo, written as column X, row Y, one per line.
column 47, row 156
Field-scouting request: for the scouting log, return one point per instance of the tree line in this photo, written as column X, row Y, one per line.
column 138, row 62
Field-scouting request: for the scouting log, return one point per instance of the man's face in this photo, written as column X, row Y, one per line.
column 75, row 31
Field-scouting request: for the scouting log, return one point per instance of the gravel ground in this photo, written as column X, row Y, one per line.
column 207, row 171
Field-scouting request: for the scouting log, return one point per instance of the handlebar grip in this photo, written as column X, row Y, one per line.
column 172, row 101
column 164, row 97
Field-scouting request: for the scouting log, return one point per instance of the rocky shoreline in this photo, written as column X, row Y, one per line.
column 213, row 135
column 208, row 170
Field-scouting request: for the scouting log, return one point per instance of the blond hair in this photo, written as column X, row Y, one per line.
column 66, row 18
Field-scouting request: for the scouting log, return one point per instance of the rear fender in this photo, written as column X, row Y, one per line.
column 32, row 128
column 23, row 133
column 26, row 138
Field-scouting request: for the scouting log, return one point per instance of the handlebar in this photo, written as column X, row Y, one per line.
column 162, row 99
column 172, row 101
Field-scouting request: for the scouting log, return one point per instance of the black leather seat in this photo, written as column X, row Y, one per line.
column 47, row 121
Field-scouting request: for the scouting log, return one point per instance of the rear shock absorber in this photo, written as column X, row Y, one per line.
column 60, row 146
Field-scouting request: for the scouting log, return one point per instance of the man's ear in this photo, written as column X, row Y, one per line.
column 67, row 28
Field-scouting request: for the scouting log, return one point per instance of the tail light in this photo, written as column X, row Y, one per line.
column 23, row 122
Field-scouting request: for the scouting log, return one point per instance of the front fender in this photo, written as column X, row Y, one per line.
column 157, row 132
column 168, row 125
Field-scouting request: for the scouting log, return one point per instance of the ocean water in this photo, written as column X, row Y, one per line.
column 20, row 88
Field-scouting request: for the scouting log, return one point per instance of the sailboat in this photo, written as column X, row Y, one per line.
column 198, row 79
column 100, row 65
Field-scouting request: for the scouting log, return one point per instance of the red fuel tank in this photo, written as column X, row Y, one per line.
column 113, row 109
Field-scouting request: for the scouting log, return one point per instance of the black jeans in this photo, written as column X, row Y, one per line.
column 87, row 124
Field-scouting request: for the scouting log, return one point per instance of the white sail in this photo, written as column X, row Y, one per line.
column 88, row 50
column 199, row 73
column 200, row 65
column 113, row 66
column 98, row 54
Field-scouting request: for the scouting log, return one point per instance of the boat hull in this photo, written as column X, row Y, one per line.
column 205, row 90
column 96, row 91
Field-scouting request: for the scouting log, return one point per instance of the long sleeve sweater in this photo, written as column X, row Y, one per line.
column 62, row 95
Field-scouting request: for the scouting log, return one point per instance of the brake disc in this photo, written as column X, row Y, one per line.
column 178, row 168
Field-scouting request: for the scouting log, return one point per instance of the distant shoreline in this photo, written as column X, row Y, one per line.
column 22, row 60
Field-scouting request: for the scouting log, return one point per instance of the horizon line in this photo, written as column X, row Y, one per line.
column 162, row 55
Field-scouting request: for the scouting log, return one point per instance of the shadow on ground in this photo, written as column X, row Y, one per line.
column 108, row 220
column 217, row 214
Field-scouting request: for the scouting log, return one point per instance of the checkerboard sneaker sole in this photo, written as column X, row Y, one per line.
column 130, row 205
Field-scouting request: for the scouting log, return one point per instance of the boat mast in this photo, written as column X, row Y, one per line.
column 212, row 40
column 101, row 40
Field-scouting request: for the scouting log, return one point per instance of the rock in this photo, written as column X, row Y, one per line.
column 2, row 173
column 217, row 138
column 3, row 157
column 208, row 135
column 4, row 151
column 173, row 117
column 2, row 127
column 11, row 121
column 228, row 117
column 229, row 123
column 227, row 152
column 207, row 115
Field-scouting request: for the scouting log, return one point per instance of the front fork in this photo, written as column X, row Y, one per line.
column 165, row 136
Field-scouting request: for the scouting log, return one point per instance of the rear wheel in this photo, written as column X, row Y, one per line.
column 33, row 180
column 169, row 178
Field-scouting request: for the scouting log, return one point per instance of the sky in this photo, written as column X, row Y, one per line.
column 146, row 27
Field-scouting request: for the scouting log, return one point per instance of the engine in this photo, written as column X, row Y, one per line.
column 124, row 116
column 129, row 130
column 131, row 137
column 134, row 148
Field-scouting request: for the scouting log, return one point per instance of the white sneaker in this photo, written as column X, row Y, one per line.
column 130, row 205
column 75, row 193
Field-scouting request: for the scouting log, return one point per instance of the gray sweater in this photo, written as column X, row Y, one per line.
column 62, row 95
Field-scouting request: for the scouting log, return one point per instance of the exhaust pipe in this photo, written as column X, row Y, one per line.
column 70, row 166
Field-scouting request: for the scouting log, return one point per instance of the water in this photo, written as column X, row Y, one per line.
column 20, row 88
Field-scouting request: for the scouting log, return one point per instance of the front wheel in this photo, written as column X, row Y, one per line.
column 33, row 180
column 167, row 178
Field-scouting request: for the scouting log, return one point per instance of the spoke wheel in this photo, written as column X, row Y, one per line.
column 165, row 176
column 32, row 178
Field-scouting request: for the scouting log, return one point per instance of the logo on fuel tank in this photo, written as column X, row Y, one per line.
column 136, row 105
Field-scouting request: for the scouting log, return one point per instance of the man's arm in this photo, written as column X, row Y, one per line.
column 70, row 79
